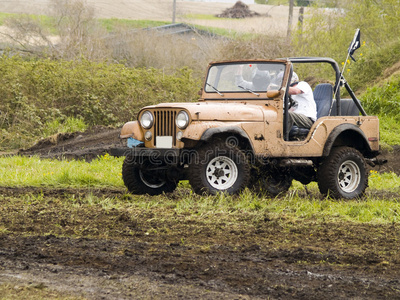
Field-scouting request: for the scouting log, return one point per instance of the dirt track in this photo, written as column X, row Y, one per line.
column 147, row 253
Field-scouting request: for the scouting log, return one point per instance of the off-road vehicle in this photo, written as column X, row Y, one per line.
column 237, row 136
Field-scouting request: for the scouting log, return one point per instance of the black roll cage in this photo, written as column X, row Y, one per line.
column 339, row 81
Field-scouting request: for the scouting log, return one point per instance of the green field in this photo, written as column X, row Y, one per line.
column 380, row 205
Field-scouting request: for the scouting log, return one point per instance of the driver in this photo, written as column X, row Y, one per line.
column 305, row 112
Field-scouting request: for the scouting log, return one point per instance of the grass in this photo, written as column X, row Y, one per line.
column 389, row 129
column 109, row 24
column 201, row 17
column 4, row 16
column 24, row 171
column 297, row 204
column 71, row 124
column 113, row 23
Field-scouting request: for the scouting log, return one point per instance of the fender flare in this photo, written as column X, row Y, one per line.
column 210, row 132
column 338, row 131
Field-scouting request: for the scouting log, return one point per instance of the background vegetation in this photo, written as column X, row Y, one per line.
column 103, row 71
column 39, row 95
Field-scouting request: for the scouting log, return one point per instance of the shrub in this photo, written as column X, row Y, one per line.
column 35, row 93
column 383, row 99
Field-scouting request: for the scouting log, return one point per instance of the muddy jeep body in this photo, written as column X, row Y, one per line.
column 237, row 136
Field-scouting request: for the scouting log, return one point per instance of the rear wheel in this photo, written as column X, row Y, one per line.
column 343, row 174
column 145, row 178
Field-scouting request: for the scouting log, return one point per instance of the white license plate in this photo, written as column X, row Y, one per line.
column 164, row 141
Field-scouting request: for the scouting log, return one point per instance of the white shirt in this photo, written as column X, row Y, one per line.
column 305, row 100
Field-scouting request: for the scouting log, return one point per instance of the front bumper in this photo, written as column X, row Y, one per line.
column 140, row 154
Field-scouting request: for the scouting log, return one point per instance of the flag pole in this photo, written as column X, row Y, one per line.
column 355, row 44
column 345, row 62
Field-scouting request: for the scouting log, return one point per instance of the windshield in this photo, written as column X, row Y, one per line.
column 244, row 77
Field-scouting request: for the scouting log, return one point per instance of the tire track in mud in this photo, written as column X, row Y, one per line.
column 194, row 259
column 124, row 269
column 62, row 192
column 111, row 192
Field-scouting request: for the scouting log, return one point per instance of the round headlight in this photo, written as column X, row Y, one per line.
column 182, row 119
column 146, row 120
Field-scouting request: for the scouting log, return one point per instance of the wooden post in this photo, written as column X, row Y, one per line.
column 291, row 5
column 301, row 18
column 173, row 12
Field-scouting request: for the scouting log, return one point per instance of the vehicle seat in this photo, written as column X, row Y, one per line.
column 323, row 97
column 347, row 108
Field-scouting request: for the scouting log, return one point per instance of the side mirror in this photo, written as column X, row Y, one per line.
column 200, row 92
column 273, row 93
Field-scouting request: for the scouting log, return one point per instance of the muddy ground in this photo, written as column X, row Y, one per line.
column 148, row 253
column 49, row 239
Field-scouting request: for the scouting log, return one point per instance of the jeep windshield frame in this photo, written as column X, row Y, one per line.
column 244, row 77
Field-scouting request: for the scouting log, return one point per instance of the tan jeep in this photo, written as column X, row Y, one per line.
column 236, row 137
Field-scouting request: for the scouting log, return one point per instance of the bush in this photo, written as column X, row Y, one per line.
column 35, row 93
column 383, row 99
column 59, row 125
column 372, row 64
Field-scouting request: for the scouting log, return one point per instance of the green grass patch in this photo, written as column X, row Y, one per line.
column 383, row 99
column 68, row 125
column 44, row 21
column 33, row 171
column 112, row 24
column 201, row 17
column 297, row 204
column 4, row 16
column 389, row 129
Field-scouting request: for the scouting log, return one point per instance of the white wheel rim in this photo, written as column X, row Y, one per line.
column 150, row 184
column 221, row 173
column 349, row 176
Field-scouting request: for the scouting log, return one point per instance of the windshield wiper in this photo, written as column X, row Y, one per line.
column 215, row 89
column 249, row 90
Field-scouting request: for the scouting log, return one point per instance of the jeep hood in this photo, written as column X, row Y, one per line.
column 207, row 111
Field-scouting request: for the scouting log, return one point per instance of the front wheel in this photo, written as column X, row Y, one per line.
column 146, row 178
column 219, row 168
column 343, row 174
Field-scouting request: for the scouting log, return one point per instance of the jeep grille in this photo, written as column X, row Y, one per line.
column 165, row 124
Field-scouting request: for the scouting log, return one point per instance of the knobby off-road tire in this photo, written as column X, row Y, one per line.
column 219, row 168
column 140, row 180
column 343, row 174
column 271, row 181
